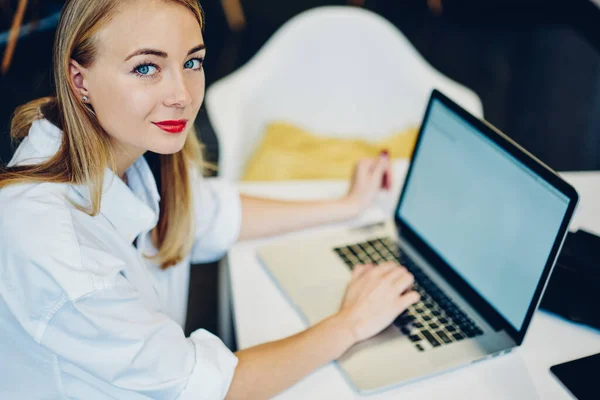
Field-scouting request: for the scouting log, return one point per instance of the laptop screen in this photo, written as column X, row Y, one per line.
column 486, row 214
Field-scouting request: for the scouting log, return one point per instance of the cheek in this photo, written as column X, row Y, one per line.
column 131, row 98
column 121, row 110
column 122, row 103
column 140, row 101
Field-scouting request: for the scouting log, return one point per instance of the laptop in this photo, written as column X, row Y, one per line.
column 479, row 223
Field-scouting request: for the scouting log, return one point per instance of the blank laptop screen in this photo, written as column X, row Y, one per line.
column 492, row 219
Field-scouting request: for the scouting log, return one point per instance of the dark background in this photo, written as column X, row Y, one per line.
column 535, row 65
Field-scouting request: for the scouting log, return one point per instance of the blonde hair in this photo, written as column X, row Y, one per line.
column 85, row 151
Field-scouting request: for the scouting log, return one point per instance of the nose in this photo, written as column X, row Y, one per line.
column 179, row 95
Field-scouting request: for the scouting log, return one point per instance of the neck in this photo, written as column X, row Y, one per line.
column 125, row 157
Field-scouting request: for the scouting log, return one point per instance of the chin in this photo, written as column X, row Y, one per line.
column 170, row 146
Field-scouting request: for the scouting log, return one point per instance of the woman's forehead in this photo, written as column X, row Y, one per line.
column 161, row 25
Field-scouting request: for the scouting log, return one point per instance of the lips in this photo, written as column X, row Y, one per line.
column 172, row 126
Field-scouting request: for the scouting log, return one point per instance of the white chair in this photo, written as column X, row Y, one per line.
column 335, row 70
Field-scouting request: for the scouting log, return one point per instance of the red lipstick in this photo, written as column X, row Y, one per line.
column 172, row 126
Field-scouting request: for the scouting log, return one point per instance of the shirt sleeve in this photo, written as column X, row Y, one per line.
column 218, row 213
column 110, row 337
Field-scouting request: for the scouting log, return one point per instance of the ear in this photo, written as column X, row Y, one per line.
column 77, row 75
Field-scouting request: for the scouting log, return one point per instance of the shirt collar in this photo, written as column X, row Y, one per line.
column 132, row 209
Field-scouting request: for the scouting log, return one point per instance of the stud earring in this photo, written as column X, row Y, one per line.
column 85, row 98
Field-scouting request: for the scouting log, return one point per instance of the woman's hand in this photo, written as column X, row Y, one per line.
column 375, row 296
column 367, row 181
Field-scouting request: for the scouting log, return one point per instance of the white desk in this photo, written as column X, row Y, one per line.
column 262, row 313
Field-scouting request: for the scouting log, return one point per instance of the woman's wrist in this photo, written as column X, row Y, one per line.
column 343, row 331
column 351, row 206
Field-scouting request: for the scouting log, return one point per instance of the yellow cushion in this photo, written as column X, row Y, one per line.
column 288, row 152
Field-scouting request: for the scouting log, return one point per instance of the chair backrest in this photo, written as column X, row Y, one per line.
column 335, row 70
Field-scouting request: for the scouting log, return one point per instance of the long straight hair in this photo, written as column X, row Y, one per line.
column 86, row 149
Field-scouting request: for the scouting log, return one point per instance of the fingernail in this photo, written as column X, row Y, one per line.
column 385, row 181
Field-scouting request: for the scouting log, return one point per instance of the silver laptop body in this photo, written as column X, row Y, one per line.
column 479, row 222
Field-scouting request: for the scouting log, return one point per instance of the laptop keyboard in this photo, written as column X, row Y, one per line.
column 432, row 322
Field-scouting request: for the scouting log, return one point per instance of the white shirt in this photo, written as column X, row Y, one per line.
column 83, row 314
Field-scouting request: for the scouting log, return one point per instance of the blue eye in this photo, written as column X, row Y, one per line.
column 146, row 69
column 194, row 63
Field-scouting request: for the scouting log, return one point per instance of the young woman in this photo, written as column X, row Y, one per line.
column 95, row 254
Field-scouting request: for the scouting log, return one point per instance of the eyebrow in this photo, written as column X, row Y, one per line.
column 159, row 53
